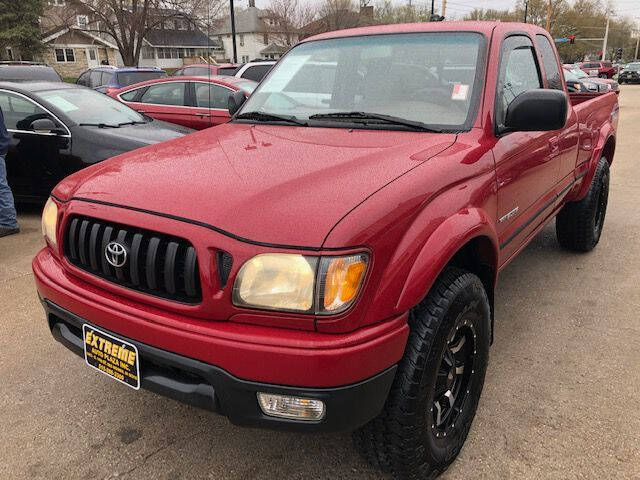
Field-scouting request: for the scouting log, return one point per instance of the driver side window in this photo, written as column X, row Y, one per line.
column 518, row 73
column 20, row 112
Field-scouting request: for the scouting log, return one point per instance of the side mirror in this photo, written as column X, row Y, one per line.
column 537, row 110
column 236, row 100
column 44, row 125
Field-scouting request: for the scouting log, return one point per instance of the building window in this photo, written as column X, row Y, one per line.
column 65, row 55
column 169, row 25
column 182, row 24
column 245, row 59
column 266, row 39
column 57, row 3
column 147, row 53
column 9, row 53
column 241, row 38
column 82, row 21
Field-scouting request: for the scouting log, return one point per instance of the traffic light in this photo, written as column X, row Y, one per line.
column 572, row 39
column 618, row 53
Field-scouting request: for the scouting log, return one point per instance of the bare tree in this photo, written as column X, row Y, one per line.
column 291, row 15
column 127, row 22
column 330, row 11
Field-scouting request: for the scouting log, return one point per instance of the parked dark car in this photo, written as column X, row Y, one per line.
column 195, row 102
column 205, row 69
column 59, row 128
column 108, row 79
column 630, row 73
column 27, row 71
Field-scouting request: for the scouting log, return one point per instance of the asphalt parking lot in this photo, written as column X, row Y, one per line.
column 561, row 400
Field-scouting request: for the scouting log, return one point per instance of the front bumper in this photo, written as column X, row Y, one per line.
column 206, row 386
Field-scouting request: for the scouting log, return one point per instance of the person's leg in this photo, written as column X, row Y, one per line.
column 8, row 216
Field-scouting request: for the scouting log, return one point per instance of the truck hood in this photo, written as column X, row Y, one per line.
column 271, row 184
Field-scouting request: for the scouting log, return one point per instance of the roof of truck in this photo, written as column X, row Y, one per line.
column 458, row 26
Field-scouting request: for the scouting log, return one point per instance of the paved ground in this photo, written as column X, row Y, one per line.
column 562, row 397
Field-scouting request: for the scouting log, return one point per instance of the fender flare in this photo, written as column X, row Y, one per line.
column 606, row 133
column 449, row 238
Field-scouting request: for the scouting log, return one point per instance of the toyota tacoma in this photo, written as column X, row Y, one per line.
column 328, row 259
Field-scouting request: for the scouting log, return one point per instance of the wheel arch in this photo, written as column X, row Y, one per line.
column 466, row 240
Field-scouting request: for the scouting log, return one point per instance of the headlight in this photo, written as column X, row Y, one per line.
column 300, row 283
column 50, row 222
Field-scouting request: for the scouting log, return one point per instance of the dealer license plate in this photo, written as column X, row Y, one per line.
column 111, row 356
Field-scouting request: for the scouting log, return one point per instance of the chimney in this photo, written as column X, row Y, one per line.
column 366, row 14
column 252, row 3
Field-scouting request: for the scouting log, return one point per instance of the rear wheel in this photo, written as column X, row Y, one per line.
column 579, row 224
column 438, row 384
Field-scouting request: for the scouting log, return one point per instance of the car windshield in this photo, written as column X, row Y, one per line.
column 19, row 73
column 129, row 78
column 84, row 106
column 428, row 78
column 574, row 74
column 247, row 86
column 633, row 66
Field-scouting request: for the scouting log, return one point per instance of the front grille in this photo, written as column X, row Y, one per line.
column 157, row 264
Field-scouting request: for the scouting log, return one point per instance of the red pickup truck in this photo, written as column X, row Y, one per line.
column 328, row 259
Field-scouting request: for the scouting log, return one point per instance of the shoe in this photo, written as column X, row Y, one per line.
column 5, row 231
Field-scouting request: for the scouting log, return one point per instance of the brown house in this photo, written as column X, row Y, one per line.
column 339, row 20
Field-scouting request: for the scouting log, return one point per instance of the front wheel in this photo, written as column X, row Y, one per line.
column 579, row 224
column 436, row 390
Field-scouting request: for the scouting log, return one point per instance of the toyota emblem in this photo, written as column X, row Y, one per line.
column 116, row 254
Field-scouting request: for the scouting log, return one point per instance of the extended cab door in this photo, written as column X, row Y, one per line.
column 526, row 162
column 36, row 161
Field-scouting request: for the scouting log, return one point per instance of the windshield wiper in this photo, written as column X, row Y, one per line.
column 270, row 117
column 133, row 122
column 99, row 125
column 366, row 117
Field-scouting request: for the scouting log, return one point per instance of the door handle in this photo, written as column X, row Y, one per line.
column 203, row 115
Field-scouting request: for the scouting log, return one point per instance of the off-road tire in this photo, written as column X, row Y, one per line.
column 579, row 224
column 403, row 439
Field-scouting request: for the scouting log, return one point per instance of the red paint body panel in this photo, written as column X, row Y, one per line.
column 411, row 200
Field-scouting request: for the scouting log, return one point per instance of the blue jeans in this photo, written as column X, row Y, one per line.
column 8, row 216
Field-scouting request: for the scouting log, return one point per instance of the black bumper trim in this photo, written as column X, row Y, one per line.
column 212, row 388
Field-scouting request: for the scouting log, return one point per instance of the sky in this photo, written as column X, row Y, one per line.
column 459, row 8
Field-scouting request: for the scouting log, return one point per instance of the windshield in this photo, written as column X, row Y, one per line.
column 633, row 66
column 129, row 78
column 574, row 74
column 422, row 77
column 247, row 86
column 90, row 107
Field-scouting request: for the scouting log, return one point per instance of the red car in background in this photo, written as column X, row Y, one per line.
column 195, row 102
column 598, row 69
column 206, row 69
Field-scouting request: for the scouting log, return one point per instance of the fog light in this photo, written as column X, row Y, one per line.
column 291, row 407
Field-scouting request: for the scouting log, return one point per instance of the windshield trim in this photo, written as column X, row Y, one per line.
column 474, row 103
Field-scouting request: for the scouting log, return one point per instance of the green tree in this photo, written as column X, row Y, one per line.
column 19, row 27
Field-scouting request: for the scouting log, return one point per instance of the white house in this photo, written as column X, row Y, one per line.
column 259, row 34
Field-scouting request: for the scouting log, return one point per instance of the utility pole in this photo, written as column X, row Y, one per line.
column 635, row 57
column 432, row 8
column 526, row 10
column 233, row 33
column 549, row 16
column 606, row 38
column 444, row 7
